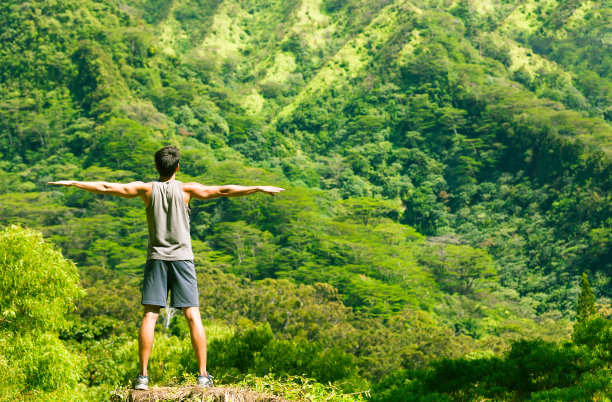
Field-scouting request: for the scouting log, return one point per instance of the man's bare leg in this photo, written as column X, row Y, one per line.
column 198, row 336
column 145, row 336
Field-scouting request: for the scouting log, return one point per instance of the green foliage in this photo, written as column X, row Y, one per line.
column 530, row 370
column 38, row 287
column 42, row 360
column 536, row 365
column 482, row 126
column 530, row 366
column 460, row 269
column 307, row 358
column 592, row 386
column 586, row 300
column 595, row 333
column 299, row 388
column 123, row 144
column 256, row 350
column 238, row 351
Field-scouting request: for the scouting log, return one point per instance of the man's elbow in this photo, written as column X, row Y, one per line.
column 110, row 189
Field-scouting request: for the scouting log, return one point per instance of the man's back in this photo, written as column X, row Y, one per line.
column 168, row 222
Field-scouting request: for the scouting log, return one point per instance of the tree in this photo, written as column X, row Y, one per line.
column 37, row 289
column 369, row 211
column 586, row 300
column 38, row 285
column 460, row 269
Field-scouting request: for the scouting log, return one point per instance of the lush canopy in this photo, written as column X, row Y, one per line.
column 448, row 176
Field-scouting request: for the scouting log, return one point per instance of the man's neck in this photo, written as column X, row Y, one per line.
column 167, row 178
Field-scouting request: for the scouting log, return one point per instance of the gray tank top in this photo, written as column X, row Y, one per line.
column 168, row 221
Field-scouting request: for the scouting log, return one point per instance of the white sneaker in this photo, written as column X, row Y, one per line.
column 141, row 382
column 205, row 380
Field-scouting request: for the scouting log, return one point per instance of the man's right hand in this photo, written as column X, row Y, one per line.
column 67, row 183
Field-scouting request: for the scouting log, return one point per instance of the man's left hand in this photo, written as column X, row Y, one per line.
column 270, row 190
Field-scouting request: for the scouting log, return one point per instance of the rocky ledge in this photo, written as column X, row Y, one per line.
column 193, row 393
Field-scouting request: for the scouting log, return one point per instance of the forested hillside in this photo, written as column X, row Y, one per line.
column 448, row 176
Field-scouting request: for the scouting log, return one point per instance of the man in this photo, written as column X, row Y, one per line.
column 169, row 265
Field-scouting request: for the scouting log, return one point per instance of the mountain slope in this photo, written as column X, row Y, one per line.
column 447, row 162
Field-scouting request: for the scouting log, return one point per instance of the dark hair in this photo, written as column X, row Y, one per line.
column 167, row 160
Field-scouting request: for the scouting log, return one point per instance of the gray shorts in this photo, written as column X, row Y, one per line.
column 176, row 277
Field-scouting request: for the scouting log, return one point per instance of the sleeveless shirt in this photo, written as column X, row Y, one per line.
column 168, row 222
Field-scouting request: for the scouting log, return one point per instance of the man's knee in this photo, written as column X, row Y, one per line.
column 192, row 315
column 151, row 313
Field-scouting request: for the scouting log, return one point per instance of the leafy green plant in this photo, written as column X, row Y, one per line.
column 38, row 287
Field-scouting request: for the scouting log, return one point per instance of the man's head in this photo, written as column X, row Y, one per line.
column 167, row 160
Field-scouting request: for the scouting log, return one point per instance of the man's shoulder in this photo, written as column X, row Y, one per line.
column 190, row 185
column 142, row 184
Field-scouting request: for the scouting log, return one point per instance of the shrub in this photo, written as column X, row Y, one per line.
column 37, row 289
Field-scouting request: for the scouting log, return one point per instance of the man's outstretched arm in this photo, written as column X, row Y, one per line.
column 201, row 192
column 125, row 190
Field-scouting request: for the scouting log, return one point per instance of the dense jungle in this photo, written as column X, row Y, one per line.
column 445, row 233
